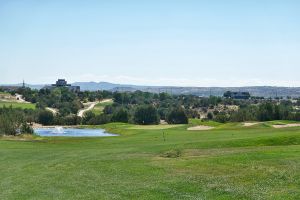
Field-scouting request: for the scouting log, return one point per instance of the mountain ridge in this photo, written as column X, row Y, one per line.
column 265, row 91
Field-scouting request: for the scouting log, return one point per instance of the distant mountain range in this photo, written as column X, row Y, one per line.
column 265, row 91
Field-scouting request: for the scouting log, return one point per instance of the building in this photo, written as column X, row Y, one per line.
column 62, row 83
column 237, row 95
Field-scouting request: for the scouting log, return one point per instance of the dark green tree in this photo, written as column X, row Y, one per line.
column 177, row 116
column 45, row 117
column 210, row 116
column 146, row 114
column 120, row 115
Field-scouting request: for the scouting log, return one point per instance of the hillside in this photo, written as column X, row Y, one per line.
column 265, row 91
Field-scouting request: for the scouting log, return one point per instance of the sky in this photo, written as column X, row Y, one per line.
column 157, row 42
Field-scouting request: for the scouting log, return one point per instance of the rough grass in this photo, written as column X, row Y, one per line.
column 231, row 163
column 17, row 105
column 4, row 93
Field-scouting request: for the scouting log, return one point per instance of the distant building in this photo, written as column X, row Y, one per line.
column 237, row 95
column 63, row 83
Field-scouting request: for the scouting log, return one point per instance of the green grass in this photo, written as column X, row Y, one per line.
column 98, row 109
column 17, row 105
column 231, row 163
column 153, row 127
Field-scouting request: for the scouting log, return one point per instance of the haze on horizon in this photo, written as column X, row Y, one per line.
column 169, row 42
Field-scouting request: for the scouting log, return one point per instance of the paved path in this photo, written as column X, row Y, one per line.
column 82, row 111
column 54, row 111
column 91, row 106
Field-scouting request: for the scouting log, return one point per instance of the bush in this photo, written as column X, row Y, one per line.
column 87, row 117
column 146, row 115
column 120, row 116
column 210, row 116
column 26, row 129
column 10, row 121
column 177, row 116
column 222, row 118
column 72, row 120
column 45, row 117
column 100, row 119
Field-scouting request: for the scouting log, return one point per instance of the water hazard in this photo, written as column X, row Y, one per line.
column 71, row 132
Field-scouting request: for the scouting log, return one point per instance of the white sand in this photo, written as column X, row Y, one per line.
column 200, row 128
column 247, row 124
column 286, row 125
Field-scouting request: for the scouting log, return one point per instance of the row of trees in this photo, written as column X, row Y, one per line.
column 144, row 115
column 266, row 111
column 137, row 107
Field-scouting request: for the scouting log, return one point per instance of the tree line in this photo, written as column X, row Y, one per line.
column 139, row 108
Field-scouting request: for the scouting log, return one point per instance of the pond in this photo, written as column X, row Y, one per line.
column 71, row 132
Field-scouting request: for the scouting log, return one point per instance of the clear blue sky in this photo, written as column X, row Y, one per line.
column 157, row 42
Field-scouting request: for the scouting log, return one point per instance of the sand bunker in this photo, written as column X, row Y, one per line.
column 247, row 124
column 286, row 125
column 200, row 128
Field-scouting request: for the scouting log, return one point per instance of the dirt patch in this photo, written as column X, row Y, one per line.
column 247, row 124
column 200, row 128
column 174, row 153
column 286, row 125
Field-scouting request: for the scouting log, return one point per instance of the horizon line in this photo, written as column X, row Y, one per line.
column 146, row 85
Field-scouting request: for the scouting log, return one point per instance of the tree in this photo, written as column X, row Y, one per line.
column 145, row 115
column 88, row 116
column 227, row 94
column 266, row 112
column 177, row 116
column 10, row 121
column 222, row 117
column 210, row 116
column 120, row 115
column 45, row 117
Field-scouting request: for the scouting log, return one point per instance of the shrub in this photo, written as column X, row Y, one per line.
column 120, row 115
column 222, row 117
column 45, row 117
column 10, row 121
column 26, row 129
column 88, row 116
column 210, row 116
column 146, row 115
column 177, row 116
